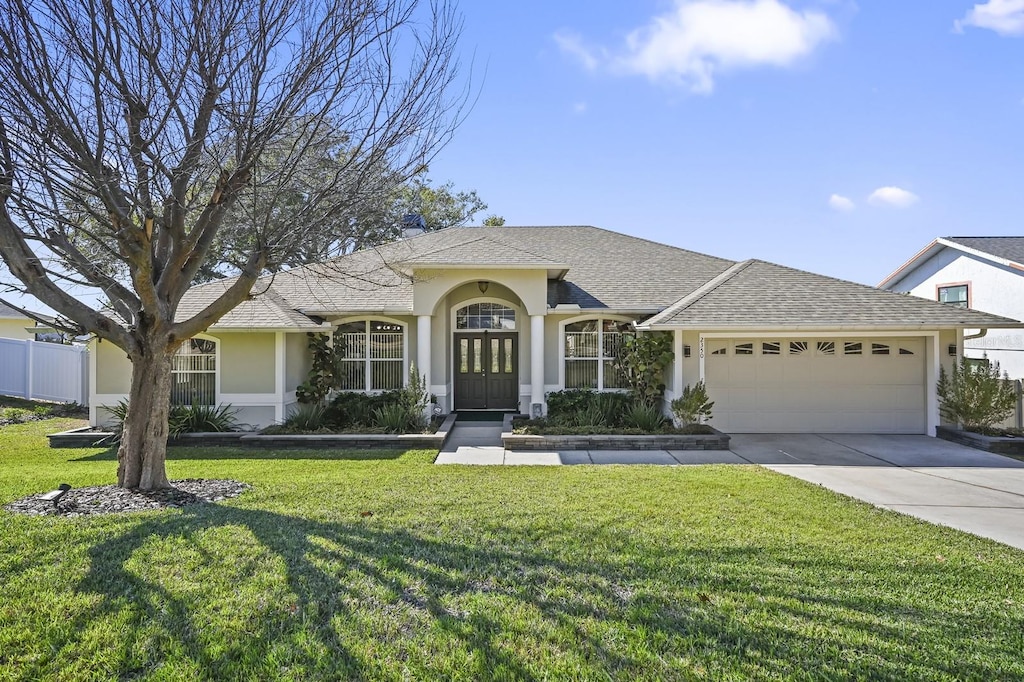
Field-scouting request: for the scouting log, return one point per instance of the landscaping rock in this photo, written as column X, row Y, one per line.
column 110, row 499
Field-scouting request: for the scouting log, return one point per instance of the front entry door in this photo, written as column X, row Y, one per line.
column 486, row 371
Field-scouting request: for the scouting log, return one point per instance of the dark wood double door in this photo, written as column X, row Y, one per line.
column 486, row 371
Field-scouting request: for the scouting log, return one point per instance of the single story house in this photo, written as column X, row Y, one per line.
column 497, row 317
column 16, row 325
column 981, row 273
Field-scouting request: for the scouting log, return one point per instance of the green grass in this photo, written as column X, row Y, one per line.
column 720, row 573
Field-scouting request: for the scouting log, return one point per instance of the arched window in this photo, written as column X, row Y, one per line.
column 591, row 347
column 194, row 373
column 485, row 316
column 372, row 355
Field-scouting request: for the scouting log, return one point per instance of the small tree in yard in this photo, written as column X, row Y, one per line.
column 133, row 131
column 975, row 395
column 693, row 406
column 641, row 360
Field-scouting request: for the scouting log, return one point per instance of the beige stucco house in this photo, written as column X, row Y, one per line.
column 15, row 325
column 495, row 318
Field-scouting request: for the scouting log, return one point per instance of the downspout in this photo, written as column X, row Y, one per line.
column 979, row 335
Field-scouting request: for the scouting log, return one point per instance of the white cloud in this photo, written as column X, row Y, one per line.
column 1005, row 17
column 892, row 196
column 841, row 203
column 572, row 44
column 699, row 38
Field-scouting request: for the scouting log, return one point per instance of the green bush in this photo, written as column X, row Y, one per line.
column 394, row 418
column 693, row 406
column 976, row 395
column 307, row 418
column 183, row 419
column 567, row 407
column 349, row 409
column 645, row 417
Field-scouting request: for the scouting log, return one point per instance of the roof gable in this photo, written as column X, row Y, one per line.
column 1007, row 251
column 760, row 294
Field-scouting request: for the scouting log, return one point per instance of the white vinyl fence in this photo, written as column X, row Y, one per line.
column 44, row 371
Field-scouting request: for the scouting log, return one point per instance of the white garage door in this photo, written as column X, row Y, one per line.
column 855, row 385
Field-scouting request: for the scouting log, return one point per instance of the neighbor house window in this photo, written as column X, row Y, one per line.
column 955, row 295
column 372, row 355
column 194, row 373
column 591, row 348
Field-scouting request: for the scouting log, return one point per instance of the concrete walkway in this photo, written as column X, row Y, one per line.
column 934, row 480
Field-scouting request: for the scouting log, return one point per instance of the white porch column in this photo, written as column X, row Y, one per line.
column 700, row 359
column 536, row 365
column 677, row 363
column 933, row 358
column 280, row 368
column 423, row 348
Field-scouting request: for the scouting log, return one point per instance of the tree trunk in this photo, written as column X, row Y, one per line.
column 143, row 450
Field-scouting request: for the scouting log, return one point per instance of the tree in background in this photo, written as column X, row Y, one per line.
column 142, row 129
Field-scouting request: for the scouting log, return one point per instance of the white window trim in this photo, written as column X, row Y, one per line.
column 216, row 363
column 600, row 348
column 367, row 371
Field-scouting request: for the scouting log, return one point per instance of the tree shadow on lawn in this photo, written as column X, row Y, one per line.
column 185, row 453
column 363, row 599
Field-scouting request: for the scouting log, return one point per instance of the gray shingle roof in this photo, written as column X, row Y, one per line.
column 607, row 270
column 759, row 294
column 266, row 310
column 1010, row 248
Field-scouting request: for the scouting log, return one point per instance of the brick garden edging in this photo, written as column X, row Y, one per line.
column 1000, row 445
column 86, row 438
column 669, row 441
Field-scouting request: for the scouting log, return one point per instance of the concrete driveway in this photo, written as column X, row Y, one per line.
column 931, row 479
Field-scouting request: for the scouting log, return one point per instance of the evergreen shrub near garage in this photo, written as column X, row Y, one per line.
column 976, row 395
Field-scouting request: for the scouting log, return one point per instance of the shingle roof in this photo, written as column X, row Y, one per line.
column 759, row 294
column 266, row 310
column 1010, row 248
column 607, row 270
column 483, row 252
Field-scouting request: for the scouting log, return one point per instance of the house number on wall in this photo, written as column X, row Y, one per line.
column 700, row 348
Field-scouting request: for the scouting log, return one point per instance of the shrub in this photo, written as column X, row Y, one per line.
column 591, row 415
column 975, row 395
column 645, row 417
column 350, row 409
column 393, row 418
column 642, row 360
column 183, row 419
column 568, row 403
column 693, row 406
column 307, row 418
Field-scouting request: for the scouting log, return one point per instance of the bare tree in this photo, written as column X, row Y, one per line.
column 136, row 126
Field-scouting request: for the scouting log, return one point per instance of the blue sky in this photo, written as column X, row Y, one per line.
column 834, row 136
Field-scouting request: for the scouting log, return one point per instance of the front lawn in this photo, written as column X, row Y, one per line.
column 383, row 566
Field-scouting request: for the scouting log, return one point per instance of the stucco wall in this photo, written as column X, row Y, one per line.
column 247, row 362
column 993, row 288
column 15, row 329
column 113, row 368
column 297, row 360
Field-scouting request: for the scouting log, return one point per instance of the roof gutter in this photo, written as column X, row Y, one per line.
column 981, row 334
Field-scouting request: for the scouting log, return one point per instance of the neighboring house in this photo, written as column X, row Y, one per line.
column 497, row 317
column 15, row 325
column 980, row 273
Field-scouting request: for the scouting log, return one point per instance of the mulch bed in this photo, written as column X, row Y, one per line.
column 110, row 499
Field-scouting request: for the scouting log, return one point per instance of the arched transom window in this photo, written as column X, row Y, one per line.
column 372, row 355
column 485, row 316
column 591, row 347
column 194, row 373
